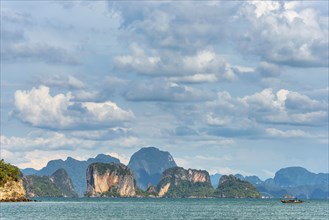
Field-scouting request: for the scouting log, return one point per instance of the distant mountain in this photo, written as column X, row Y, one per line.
column 57, row 185
column 296, row 181
column 147, row 165
column 215, row 180
column 251, row 179
column 298, row 176
column 76, row 169
column 29, row 171
column 233, row 187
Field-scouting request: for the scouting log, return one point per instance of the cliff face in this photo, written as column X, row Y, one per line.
column 178, row 182
column 11, row 187
column 13, row 191
column 76, row 169
column 110, row 180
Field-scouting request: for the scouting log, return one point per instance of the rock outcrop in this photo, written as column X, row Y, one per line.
column 57, row 185
column 13, row 191
column 76, row 169
column 178, row 182
column 147, row 165
column 151, row 189
column 233, row 187
column 11, row 187
column 112, row 179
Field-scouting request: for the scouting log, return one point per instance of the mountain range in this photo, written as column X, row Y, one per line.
column 149, row 163
column 75, row 169
column 296, row 181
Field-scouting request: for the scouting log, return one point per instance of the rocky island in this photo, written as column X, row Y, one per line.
column 115, row 180
column 179, row 182
column 233, row 187
column 11, row 185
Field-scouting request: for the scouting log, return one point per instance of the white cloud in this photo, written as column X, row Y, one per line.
column 211, row 119
column 138, row 61
column 52, row 141
column 196, row 78
column 281, row 33
column 38, row 108
column 273, row 132
column 203, row 66
column 282, row 107
column 264, row 7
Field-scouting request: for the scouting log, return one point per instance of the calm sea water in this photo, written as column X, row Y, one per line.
column 141, row 208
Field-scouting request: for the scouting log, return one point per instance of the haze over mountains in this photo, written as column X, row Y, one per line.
column 149, row 163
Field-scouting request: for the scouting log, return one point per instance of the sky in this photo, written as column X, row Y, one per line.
column 226, row 86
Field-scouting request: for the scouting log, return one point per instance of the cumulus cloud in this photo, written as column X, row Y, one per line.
column 265, row 107
column 38, row 108
column 281, row 33
column 203, row 66
column 167, row 26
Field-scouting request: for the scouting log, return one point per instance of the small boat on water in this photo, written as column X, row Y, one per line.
column 291, row 200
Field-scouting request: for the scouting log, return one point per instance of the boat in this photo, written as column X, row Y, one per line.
column 291, row 200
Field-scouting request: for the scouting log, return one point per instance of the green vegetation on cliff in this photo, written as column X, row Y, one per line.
column 142, row 193
column 189, row 189
column 41, row 186
column 8, row 172
column 57, row 185
column 232, row 187
column 102, row 168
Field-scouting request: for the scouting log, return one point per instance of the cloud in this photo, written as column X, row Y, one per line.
column 266, row 69
column 249, row 116
column 283, row 34
column 138, row 61
column 52, row 141
column 38, row 52
column 167, row 26
column 273, row 132
column 203, row 66
column 39, row 109
column 14, row 16
column 298, row 101
column 317, row 118
column 67, row 82
column 101, row 135
column 161, row 90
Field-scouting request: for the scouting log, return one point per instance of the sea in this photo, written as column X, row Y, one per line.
column 164, row 208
